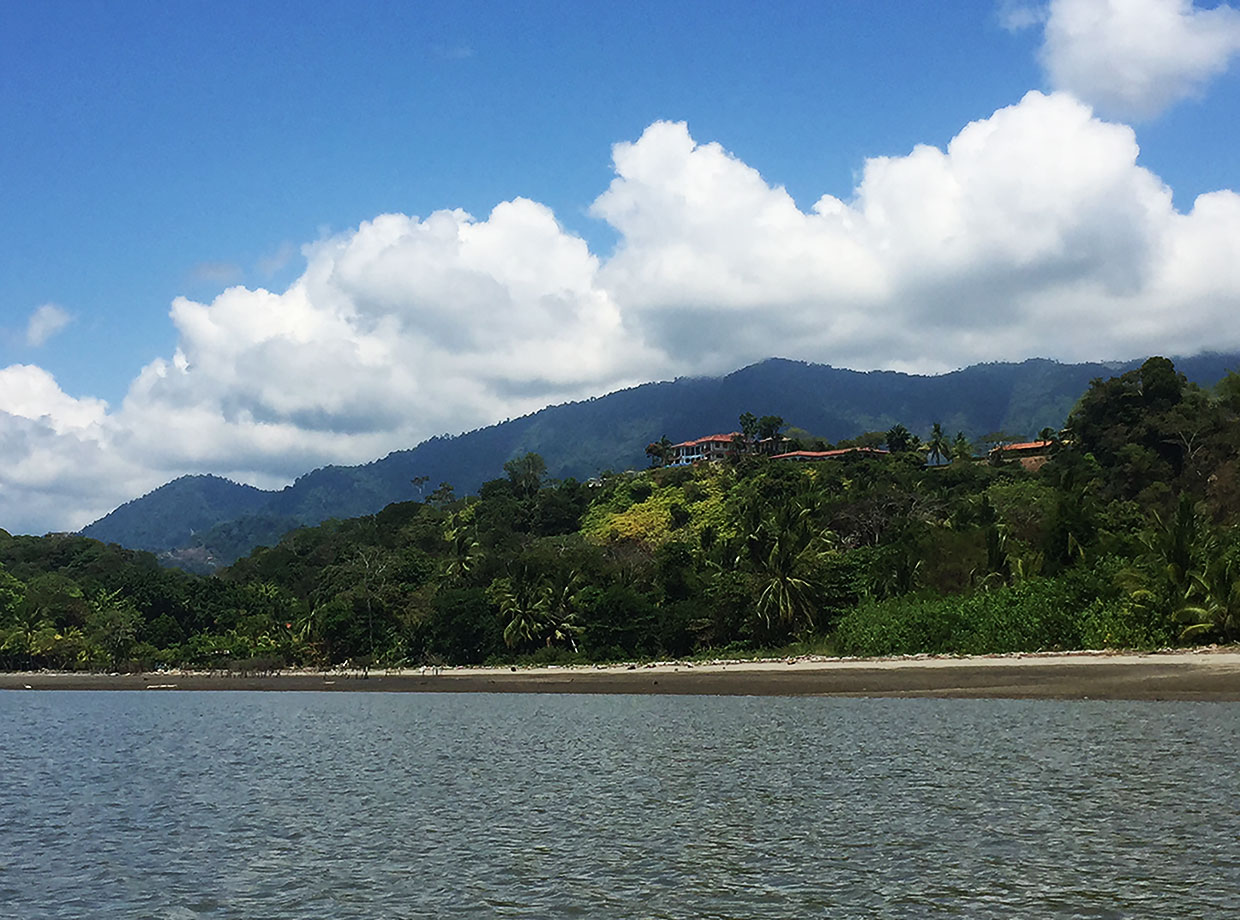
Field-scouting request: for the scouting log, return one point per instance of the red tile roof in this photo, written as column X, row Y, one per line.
column 708, row 438
column 1027, row 445
column 826, row 454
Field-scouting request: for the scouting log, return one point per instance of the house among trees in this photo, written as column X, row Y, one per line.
column 1032, row 455
column 703, row 450
column 715, row 447
column 757, row 436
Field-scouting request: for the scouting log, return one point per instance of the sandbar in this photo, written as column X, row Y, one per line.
column 1200, row 674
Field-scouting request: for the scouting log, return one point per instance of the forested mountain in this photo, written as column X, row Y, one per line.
column 176, row 512
column 610, row 432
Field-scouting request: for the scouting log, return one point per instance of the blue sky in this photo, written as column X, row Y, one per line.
column 156, row 151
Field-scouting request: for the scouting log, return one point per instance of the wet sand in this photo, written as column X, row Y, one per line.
column 1207, row 674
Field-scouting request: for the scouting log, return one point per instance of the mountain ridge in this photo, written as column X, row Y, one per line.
column 183, row 506
column 224, row 520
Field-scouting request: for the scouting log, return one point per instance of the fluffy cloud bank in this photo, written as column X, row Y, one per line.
column 399, row 329
column 1034, row 232
column 1134, row 58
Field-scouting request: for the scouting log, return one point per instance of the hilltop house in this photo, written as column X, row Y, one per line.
column 699, row 450
column 1032, row 455
column 715, row 447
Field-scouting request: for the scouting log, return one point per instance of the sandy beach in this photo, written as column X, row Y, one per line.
column 1206, row 674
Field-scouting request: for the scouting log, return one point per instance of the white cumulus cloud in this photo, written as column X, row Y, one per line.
column 45, row 322
column 939, row 258
column 399, row 329
column 59, row 462
column 1134, row 58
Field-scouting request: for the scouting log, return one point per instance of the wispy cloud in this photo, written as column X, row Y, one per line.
column 216, row 272
column 44, row 323
column 269, row 264
column 1017, row 15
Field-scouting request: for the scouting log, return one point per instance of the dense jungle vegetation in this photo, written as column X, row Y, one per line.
column 1127, row 537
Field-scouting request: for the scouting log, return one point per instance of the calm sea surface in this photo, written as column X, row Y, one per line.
column 253, row 805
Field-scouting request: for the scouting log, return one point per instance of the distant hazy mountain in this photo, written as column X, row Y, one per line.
column 225, row 520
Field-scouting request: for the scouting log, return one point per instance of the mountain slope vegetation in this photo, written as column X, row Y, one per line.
column 176, row 512
column 582, row 439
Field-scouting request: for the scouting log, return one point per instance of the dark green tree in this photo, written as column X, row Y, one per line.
column 444, row 494
column 899, row 439
column 962, row 447
column 784, row 550
column 112, row 625
column 769, row 425
column 525, row 473
column 659, row 451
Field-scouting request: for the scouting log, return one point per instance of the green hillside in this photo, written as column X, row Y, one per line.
column 177, row 512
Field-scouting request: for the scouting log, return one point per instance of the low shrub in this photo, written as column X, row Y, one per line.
column 1040, row 614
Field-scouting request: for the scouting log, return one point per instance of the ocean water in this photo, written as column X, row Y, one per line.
column 295, row 805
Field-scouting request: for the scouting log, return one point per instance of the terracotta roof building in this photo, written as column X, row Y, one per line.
column 703, row 450
column 1032, row 455
column 830, row 454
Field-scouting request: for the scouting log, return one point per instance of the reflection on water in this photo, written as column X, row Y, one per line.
column 250, row 805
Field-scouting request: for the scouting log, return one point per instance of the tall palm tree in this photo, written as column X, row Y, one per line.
column 561, row 612
column 1214, row 602
column 1163, row 582
column 899, row 439
column 782, row 550
column 524, row 605
column 940, row 448
column 464, row 550
column 1174, row 545
column 962, row 447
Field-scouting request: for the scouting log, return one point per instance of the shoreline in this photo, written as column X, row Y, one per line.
column 1201, row 674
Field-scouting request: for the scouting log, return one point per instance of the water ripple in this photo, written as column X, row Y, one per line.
column 236, row 805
